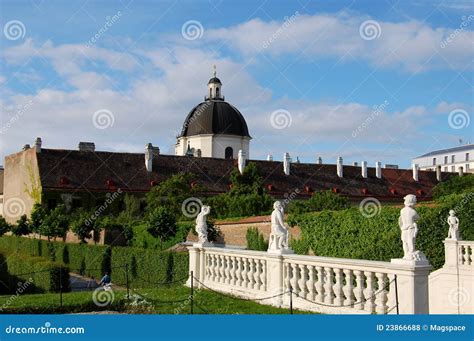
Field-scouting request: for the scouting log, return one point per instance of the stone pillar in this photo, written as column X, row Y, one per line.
column 415, row 171
column 339, row 167
column 438, row 173
column 194, row 265
column 450, row 253
column 364, row 169
column 286, row 163
column 241, row 161
column 461, row 171
column 412, row 285
column 149, row 157
column 38, row 144
column 275, row 278
column 269, row 157
column 378, row 169
column 319, row 160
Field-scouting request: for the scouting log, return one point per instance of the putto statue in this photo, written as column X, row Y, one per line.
column 409, row 228
column 279, row 233
column 453, row 223
column 201, row 224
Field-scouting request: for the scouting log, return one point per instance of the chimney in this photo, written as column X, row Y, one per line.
column 26, row 147
column 339, row 167
column 319, row 160
column 86, row 146
column 269, row 157
column 149, row 157
column 461, row 171
column 438, row 173
column 378, row 169
column 415, row 171
column 286, row 163
column 364, row 169
column 355, row 163
column 38, row 144
column 241, row 161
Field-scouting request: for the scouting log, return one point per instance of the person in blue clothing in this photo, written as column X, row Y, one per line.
column 105, row 281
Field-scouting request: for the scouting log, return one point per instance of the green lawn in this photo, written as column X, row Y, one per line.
column 151, row 301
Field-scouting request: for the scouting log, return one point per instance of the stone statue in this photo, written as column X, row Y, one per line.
column 279, row 232
column 453, row 223
column 201, row 224
column 409, row 228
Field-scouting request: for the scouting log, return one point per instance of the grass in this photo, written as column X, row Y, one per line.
column 149, row 301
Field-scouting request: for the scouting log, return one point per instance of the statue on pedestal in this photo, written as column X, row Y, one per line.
column 201, row 224
column 409, row 229
column 453, row 223
column 279, row 233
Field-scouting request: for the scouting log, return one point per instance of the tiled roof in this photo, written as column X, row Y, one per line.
column 466, row 147
column 103, row 171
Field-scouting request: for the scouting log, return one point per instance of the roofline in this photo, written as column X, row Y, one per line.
column 447, row 150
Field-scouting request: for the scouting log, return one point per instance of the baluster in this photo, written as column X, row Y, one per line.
column 348, row 287
column 244, row 272
column 359, row 290
column 250, row 274
column 263, row 275
column 294, row 278
column 328, row 298
column 302, row 281
column 286, row 277
column 232, row 270
column 221, row 269
column 256, row 274
column 369, row 292
column 320, row 284
column 337, row 287
column 310, row 284
column 227, row 270
column 391, row 298
column 470, row 256
column 213, row 267
column 239, row 272
column 466, row 260
column 381, row 297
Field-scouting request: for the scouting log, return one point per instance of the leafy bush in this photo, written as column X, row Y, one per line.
column 35, row 273
column 143, row 239
column 38, row 214
column 81, row 226
column 4, row 226
column 55, row 224
column 319, row 201
column 22, row 226
column 348, row 234
column 255, row 240
column 454, row 185
column 161, row 224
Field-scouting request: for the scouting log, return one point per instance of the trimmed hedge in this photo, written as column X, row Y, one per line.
column 32, row 274
column 255, row 240
column 348, row 234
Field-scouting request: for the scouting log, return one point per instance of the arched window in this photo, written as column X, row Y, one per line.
column 229, row 153
column 217, row 92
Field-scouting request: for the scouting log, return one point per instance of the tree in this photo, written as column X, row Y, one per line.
column 4, row 226
column 56, row 223
column 82, row 226
column 161, row 224
column 22, row 226
column 37, row 217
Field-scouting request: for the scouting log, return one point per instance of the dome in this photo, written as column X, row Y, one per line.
column 215, row 117
column 214, row 80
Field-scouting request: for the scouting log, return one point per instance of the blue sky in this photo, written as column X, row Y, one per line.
column 306, row 75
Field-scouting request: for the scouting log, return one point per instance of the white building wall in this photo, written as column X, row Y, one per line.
column 213, row 145
column 446, row 161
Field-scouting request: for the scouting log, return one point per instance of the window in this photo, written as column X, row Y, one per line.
column 453, row 169
column 467, row 156
column 229, row 153
column 467, row 167
column 434, row 161
column 210, row 93
column 445, row 169
column 453, row 158
column 445, row 160
column 217, row 92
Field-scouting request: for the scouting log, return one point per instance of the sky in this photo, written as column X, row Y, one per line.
column 365, row 80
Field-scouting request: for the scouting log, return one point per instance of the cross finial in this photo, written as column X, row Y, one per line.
column 215, row 70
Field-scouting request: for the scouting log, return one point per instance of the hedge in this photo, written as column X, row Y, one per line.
column 348, row 234
column 32, row 274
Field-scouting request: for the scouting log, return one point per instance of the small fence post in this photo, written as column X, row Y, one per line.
column 61, row 287
column 291, row 300
column 396, row 294
column 192, row 292
column 126, row 281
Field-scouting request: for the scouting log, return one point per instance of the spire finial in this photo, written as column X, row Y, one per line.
column 214, row 73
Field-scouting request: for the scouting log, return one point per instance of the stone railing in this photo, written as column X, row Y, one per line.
column 465, row 253
column 321, row 284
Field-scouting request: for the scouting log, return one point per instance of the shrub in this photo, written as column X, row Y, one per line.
column 55, row 224
column 143, row 239
column 161, row 224
column 81, row 226
column 255, row 240
column 319, row 201
column 22, row 226
column 454, row 185
column 4, row 226
column 38, row 214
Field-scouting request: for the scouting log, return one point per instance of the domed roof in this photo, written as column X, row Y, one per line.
column 214, row 80
column 215, row 117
